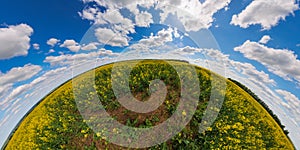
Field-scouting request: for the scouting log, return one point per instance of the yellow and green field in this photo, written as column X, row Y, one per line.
column 242, row 123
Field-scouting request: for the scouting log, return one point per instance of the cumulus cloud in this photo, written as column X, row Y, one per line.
column 90, row 46
column 4, row 89
column 51, row 78
column 291, row 103
column 160, row 41
column 265, row 39
column 188, row 50
column 63, row 60
column 15, row 41
column 51, row 51
column 253, row 74
column 71, row 45
column 16, row 75
column 36, row 46
column 198, row 15
column 130, row 4
column 163, row 36
column 187, row 11
column 52, row 41
column 281, row 62
column 18, row 91
column 114, row 26
column 110, row 37
column 119, row 26
column 214, row 55
column 19, row 74
column 266, row 13
column 143, row 19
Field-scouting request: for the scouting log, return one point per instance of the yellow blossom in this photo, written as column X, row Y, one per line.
column 209, row 129
column 183, row 113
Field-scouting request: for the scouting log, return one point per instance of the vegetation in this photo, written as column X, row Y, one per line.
column 262, row 103
column 242, row 123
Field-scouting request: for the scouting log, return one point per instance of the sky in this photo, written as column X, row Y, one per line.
column 45, row 43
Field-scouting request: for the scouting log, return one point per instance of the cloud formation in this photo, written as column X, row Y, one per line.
column 266, row 13
column 36, row 46
column 13, row 76
column 265, row 39
column 187, row 12
column 52, row 42
column 110, row 37
column 193, row 14
column 15, row 41
column 71, row 45
column 282, row 62
column 90, row 46
column 69, row 59
column 292, row 105
column 143, row 19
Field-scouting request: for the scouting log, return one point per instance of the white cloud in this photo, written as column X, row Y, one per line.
column 89, row 13
column 119, row 26
column 63, row 60
column 51, row 51
column 71, row 45
column 16, row 75
column 193, row 14
column 15, row 41
column 110, row 37
column 13, row 76
column 90, row 46
column 298, row 45
column 251, row 71
column 19, row 74
column 53, row 78
column 4, row 89
column 176, row 34
column 162, row 41
column 281, row 62
column 216, row 56
column 265, row 39
column 163, row 36
column 36, row 46
column 130, row 4
column 266, row 13
column 143, row 19
column 188, row 50
column 292, row 105
column 52, row 42
column 18, row 91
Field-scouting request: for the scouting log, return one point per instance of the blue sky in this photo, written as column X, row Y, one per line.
column 259, row 41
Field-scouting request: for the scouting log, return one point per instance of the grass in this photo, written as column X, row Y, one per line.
column 56, row 123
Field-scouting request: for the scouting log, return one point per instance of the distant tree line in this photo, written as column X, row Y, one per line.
column 260, row 102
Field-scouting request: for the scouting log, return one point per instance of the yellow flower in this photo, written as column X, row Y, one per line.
column 98, row 134
column 183, row 113
column 209, row 129
column 82, row 131
column 115, row 130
